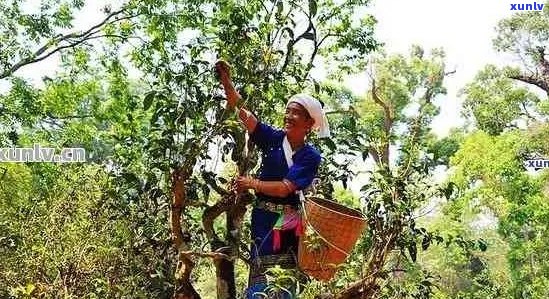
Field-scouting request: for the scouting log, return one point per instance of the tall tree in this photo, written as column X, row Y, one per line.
column 392, row 129
column 510, row 104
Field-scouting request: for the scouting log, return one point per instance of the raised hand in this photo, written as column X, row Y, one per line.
column 224, row 71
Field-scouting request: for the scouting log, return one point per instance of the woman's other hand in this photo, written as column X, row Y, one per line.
column 244, row 183
column 280, row 189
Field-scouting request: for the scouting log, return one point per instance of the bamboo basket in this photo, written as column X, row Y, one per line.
column 331, row 231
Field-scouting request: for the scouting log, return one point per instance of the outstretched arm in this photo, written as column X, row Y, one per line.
column 247, row 118
column 280, row 189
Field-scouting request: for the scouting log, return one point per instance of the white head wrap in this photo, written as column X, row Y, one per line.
column 315, row 110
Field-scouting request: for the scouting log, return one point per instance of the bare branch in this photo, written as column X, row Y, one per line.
column 315, row 50
column 291, row 44
column 185, row 263
column 424, row 214
column 179, row 178
column 379, row 101
column 73, row 39
column 375, row 154
column 71, row 45
column 322, row 40
column 211, row 213
column 526, row 112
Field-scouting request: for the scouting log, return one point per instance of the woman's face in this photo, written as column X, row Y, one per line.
column 297, row 119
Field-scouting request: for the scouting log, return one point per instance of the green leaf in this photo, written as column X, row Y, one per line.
column 147, row 102
column 426, row 242
column 313, row 8
column 131, row 178
column 330, row 143
column 29, row 289
column 412, row 250
column 482, row 245
column 309, row 36
column 439, row 239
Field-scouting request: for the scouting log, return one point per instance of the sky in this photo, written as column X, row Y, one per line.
column 464, row 29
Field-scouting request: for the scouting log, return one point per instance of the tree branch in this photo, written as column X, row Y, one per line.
column 291, row 44
column 428, row 97
column 388, row 119
column 185, row 263
column 212, row 255
column 38, row 56
column 211, row 213
column 526, row 112
column 531, row 79
column 322, row 40
column 375, row 154
column 69, row 116
column 179, row 203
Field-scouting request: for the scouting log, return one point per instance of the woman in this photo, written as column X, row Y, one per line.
column 276, row 223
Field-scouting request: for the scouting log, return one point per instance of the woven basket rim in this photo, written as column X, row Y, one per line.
column 313, row 198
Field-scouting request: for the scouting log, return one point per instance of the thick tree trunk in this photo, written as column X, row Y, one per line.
column 224, row 269
column 186, row 291
column 183, row 288
column 235, row 207
column 540, row 79
column 534, row 80
column 226, row 285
